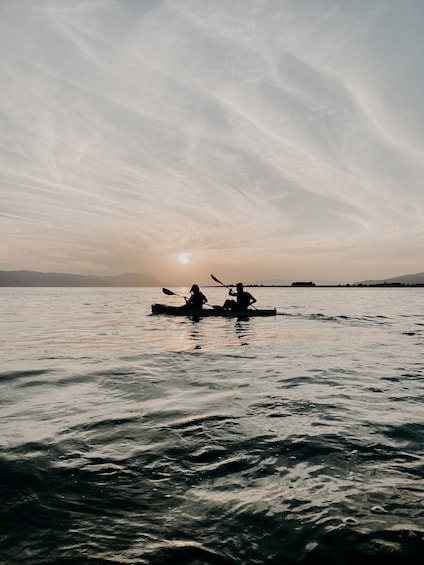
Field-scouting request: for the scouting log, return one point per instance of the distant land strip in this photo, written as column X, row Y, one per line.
column 336, row 285
column 38, row 279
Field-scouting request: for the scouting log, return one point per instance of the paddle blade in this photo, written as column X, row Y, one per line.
column 218, row 281
column 168, row 292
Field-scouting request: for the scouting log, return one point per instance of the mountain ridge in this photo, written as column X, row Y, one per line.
column 416, row 278
column 26, row 278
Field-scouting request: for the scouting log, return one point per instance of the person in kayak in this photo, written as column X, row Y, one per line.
column 196, row 300
column 242, row 302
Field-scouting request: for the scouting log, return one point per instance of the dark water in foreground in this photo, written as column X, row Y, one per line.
column 130, row 438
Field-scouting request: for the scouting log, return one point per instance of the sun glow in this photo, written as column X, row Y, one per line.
column 184, row 258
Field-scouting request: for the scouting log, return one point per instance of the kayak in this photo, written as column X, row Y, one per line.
column 208, row 312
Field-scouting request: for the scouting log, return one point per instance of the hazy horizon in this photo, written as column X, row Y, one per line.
column 39, row 278
column 257, row 139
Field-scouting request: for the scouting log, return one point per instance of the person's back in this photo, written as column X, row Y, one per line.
column 242, row 302
column 196, row 300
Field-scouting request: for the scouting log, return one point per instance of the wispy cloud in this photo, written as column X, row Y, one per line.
column 248, row 133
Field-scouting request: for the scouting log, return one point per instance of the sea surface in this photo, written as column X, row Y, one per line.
column 139, row 439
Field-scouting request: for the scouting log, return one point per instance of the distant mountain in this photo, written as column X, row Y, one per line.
column 34, row 278
column 417, row 278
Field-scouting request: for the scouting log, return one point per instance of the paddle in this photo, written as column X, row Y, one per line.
column 226, row 286
column 172, row 293
column 219, row 282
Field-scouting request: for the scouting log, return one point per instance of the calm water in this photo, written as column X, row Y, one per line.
column 131, row 438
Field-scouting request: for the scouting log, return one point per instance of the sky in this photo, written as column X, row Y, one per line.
column 259, row 140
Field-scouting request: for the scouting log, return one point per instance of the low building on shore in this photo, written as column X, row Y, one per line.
column 300, row 283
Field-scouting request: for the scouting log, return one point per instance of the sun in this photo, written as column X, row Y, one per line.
column 184, row 258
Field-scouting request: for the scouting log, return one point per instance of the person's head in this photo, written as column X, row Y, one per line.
column 239, row 286
column 195, row 288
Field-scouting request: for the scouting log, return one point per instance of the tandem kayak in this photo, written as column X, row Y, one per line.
column 208, row 312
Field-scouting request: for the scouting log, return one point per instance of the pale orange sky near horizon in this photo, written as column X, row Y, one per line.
column 268, row 140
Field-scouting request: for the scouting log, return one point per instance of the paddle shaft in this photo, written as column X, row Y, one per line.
column 172, row 293
column 226, row 286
